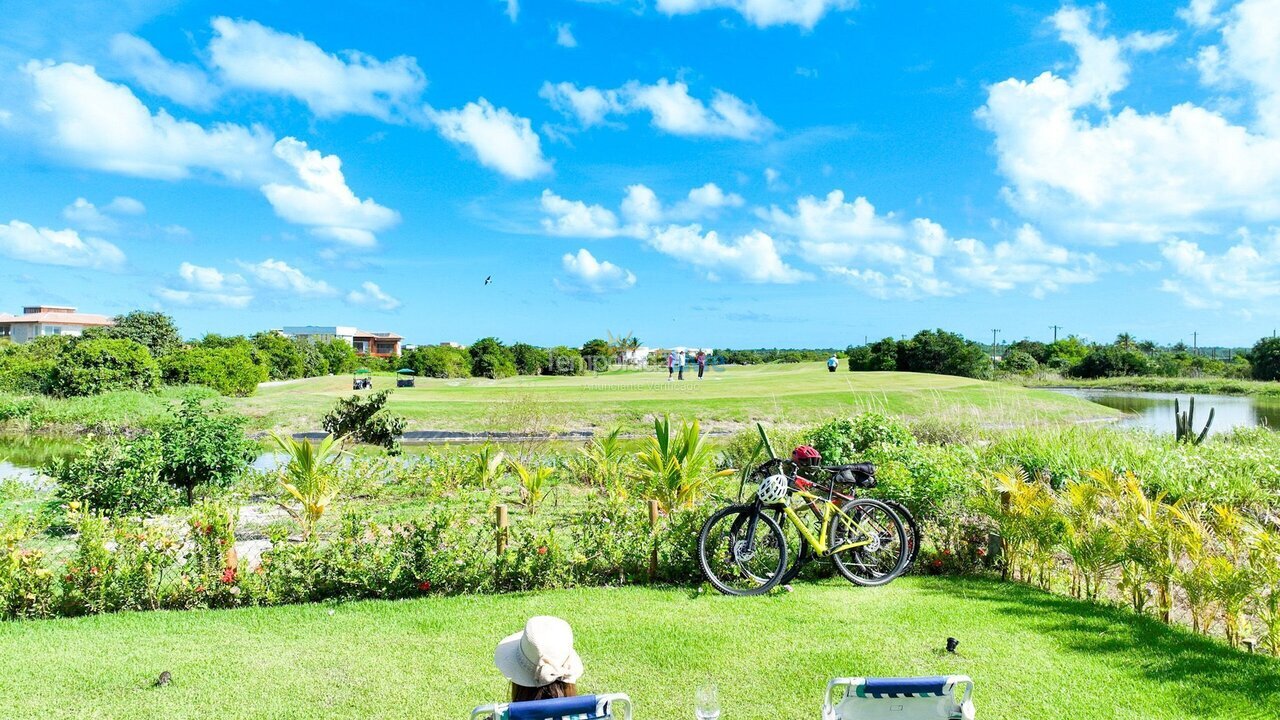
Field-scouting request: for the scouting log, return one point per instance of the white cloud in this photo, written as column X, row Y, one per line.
column 323, row 201
column 832, row 220
column 1249, row 55
column 43, row 246
column 564, row 36
column 501, row 140
column 763, row 13
column 1245, row 273
column 372, row 295
column 1027, row 261
column 279, row 275
column 641, row 205
column 85, row 215
column 1200, row 14
column 103, row 125
column 672, row 108
column 184, row 84
column 753, row 257
column 1088, row 172
column 513, row 9
column 252, row 56
column 574, row 218
column 207, row 286
column 640, row 208
column 772, row 179
column 586, row 274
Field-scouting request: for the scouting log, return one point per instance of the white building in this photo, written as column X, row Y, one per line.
column 38, row 320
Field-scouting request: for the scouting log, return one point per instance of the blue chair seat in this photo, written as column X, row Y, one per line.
column 904, row 687
column 570, row 708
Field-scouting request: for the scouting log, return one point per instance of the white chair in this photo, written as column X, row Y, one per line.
column 924, row 698
column 584, row 707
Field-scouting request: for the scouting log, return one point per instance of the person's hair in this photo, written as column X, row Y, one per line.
column 557, row 689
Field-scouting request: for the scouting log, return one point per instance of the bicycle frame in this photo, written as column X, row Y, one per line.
column 829, row 510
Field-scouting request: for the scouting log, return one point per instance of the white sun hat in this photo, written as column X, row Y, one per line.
column 539, row 655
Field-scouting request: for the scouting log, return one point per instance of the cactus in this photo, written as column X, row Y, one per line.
column 1184, row 421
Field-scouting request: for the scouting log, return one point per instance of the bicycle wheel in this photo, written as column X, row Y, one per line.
column 883, row 557
column 741, row 551
column 914, row 535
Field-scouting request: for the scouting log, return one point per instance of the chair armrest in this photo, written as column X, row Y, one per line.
column 618, row 705
column 493, row 710
column 846, row 682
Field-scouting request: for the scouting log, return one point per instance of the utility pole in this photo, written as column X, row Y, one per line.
column 1195, row 343
column 1056, row 328
column 994, row 333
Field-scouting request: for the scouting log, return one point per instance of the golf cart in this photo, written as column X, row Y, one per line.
column 362, row 380
column 405, row 378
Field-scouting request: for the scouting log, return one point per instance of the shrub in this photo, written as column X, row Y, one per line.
column 230, row 370
column 438, row 361
column 24, row 371
column 153, row 330
column 563, row 360
column 116, row 476
column 366, row 420
column 491, row 359
column 339, row 356
column 282, row 356
column 944, row 353
column 1111, row 361
column 314, row 362
column 881, row 355
column 1265, row 358
column 1018, row 362
column 529, row 360
column 844, row 440
column 26, row 584
column 204, row 446
column 91, row 367
column 118, row 564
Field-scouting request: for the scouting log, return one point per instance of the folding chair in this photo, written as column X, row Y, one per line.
column 586, row 707
column 925, row 698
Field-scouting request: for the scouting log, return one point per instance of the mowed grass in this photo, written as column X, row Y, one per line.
column 1032, row 655
column 726, row 399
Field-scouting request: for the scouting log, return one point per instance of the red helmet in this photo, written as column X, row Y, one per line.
column 805, row 455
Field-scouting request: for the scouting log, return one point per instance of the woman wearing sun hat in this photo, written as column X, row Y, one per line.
column 540, row 661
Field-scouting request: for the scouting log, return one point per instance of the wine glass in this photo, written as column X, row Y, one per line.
column 707, row 702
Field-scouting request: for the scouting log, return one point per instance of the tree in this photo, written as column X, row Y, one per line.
column 944, row 353
column 1018, row 362
column 529, row 360
column 1111, row 361
column 366, row 420
column 491, row 359
column 563, row 360
column 339, row 356
column 233, row 370
column 1034, row 348
column 1125, row 340
column 283, row 358
column 597, row 353
column 153, row 330
column 1065, row 353
column 101, row 365
column 1265, row 358
column 314, row 362
column 438, row 361
column 204, row 446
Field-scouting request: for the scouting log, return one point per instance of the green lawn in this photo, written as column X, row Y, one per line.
column 1032, row 655
column 797, row 393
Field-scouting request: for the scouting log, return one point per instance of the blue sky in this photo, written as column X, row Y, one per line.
column 716, row 172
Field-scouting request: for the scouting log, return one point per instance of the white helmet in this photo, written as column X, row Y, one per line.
column 772, row 490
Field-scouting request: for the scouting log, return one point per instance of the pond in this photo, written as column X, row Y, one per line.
column 1154, row 411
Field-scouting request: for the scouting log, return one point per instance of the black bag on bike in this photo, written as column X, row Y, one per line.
column 861, row 475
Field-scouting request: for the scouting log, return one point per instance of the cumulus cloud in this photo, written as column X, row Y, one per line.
column 207, row 286
column 255, row 57
column 44, row 246
column 184, row 84
column 500, row 139
column 763, row 13
column 1247, row 272
column 373, row 296
column 103, row 125
column 752, row 257
column 574, row 218
column 640, row 209
column 672, row 109
column 1076, row 165
column 586, row 274
column 323, row 201
column 280, row 276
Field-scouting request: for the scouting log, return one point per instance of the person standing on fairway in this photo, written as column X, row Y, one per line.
column 671, row 364
column 680, row 364
column 702, row 363
column 832, row 363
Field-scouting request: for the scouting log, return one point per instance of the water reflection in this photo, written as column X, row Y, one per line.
column 1154, row 411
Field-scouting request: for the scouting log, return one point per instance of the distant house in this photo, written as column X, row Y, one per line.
column 377, row 344
column 38, row 320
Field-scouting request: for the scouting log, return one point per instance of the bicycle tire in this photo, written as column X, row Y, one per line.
column 737, row 555
column 914, row 535
column 850, row 563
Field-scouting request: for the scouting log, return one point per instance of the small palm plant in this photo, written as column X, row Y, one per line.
column 676, row 466
column 1265, row 557
column 487, row 466
column 604, row 462
column 1234, row 580
column 535, row 483
column 1027, row 521
column 1089, row 538
column 1196, row 576
column 310, row 477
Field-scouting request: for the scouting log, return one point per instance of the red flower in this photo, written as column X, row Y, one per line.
column 199, row 588
column 937, row 563
column 425, row 585
column 93, row 571
column 542, row 550
column 982, row 552
column 228, row 576
column 946, row 552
